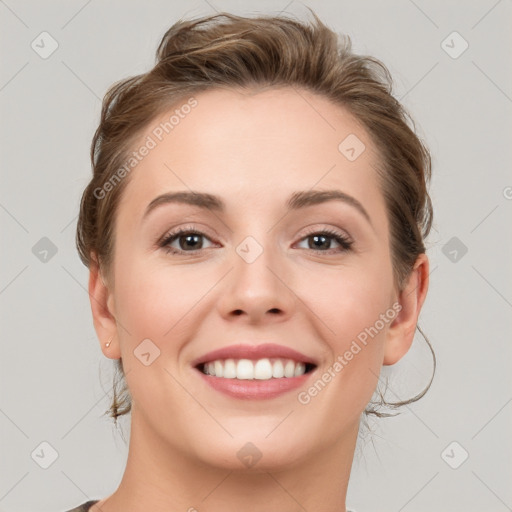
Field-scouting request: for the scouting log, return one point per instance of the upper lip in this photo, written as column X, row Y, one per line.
column 261, row 351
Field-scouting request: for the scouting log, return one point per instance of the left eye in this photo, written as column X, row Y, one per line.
column 322, row 241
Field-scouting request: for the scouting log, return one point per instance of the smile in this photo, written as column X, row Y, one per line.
column 261, row 369
column 254, row 371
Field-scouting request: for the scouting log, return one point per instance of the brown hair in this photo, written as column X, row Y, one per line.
column 231, row 51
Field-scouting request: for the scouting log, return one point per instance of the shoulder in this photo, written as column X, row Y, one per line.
column 84, row 507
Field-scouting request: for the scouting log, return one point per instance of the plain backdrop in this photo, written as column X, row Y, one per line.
column 450, row 60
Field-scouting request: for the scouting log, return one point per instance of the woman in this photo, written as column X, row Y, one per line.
column 254, row 231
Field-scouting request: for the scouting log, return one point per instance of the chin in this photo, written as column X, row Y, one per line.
column 253, row 451
column 249, row 457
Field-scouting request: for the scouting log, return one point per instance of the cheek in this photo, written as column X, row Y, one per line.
column 157, row 304
column 158, row 301
column 352, row 317
column 140, row 301
column 347, row 300
column 353, row 310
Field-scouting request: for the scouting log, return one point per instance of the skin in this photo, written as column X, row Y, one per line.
column 253, row 149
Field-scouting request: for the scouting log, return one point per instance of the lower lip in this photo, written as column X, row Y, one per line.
column 255, row 389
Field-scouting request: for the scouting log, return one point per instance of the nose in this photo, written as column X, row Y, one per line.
column 257, row 290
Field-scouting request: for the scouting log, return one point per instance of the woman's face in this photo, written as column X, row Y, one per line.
column 258, row 270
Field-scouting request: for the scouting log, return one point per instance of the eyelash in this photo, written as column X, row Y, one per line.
column 344, row 242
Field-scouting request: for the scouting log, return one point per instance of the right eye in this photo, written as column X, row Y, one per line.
column 185, row 238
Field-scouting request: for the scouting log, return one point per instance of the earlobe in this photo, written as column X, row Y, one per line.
column 402, row 329
column 102, row 306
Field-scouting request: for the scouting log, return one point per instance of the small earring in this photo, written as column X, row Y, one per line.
column 109, row 342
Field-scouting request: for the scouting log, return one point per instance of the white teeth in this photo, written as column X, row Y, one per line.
column 218, row 368
column 289, row 369
column 262, row 369
column 245, row 369
column 278, row 369
column 300, row 369
column 229, row 369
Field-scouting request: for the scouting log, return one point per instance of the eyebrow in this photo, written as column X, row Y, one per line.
column 296, row 201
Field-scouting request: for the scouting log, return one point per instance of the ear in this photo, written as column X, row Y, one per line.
column 401, row 330
column 102, row 306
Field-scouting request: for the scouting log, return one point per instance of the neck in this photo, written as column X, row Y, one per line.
column 160, row 478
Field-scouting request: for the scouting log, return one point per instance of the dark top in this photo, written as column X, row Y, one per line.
column 84, row 507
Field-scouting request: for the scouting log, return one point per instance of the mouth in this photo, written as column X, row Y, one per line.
column 250, row 372
column 259, row 369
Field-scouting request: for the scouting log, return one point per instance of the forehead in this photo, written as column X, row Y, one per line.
column 258, row 145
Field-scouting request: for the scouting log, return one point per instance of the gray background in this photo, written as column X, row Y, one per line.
column 54, row 379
